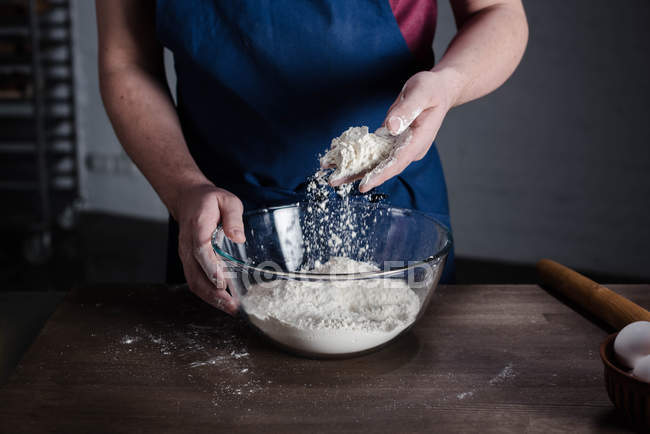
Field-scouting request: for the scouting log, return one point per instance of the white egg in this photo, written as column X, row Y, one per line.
column 642, row 369
column 632, row 343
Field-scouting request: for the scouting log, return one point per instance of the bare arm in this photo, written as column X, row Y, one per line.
column 490, row 43
column 135, row 94
column 137, row 100
column 491, row 39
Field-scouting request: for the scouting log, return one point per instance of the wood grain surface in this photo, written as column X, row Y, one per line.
column 150, row 359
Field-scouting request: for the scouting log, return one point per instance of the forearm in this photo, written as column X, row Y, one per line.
column 145, row 121
column 137, row 100
column 485, row 52
column 489, row 44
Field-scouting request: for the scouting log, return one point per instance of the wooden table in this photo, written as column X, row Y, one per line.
column 151, row 359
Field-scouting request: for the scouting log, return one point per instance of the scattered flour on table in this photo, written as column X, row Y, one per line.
column 506, row 373
column 359, row 152
column 210, row 352
column 334, row 317
column 128, row 340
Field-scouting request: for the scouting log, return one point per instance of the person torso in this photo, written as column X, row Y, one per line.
column 263, row 86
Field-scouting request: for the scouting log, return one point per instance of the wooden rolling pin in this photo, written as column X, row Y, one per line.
column 602, row 302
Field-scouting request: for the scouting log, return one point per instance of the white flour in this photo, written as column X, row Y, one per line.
column 357, row 151
column 346, row 316
column 335, row 317
column 333, row 225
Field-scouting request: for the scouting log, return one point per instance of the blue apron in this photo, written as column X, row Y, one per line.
column 264, row 85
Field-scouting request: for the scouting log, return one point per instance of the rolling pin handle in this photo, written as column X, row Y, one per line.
column 600, row 301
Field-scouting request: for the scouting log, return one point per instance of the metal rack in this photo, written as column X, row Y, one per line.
column 38, row 150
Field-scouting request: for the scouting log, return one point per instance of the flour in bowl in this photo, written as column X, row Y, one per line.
column 333, row 317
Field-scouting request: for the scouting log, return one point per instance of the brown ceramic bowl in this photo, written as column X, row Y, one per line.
column 630, row 395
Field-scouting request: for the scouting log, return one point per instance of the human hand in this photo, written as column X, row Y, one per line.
column 416, row 114
column 198, row 211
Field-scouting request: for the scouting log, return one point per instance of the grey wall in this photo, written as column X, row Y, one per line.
column 556, row 163
column 553, row 164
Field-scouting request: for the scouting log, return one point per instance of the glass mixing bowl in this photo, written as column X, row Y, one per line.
column 407, row 247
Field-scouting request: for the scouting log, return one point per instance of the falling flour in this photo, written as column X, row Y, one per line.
column 332, row 317
column 359, row 152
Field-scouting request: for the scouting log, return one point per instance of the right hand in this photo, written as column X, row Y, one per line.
column 198, row 211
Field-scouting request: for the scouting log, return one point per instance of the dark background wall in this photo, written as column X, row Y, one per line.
column 555, row 163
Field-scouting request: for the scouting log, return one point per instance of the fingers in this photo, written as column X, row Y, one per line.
column 412, row 100
column 197, row 236
column 425, row 129
column 423, row 132
column 203, row 224
column 388, row 168
column 209, row 263
column 201, row 286
column 205, row 273
column 345, row 179
column 231, row 210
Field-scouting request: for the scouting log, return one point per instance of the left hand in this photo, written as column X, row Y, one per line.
column 422, row 104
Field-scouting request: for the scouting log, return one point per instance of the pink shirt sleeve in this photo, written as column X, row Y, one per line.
column 417, row 22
